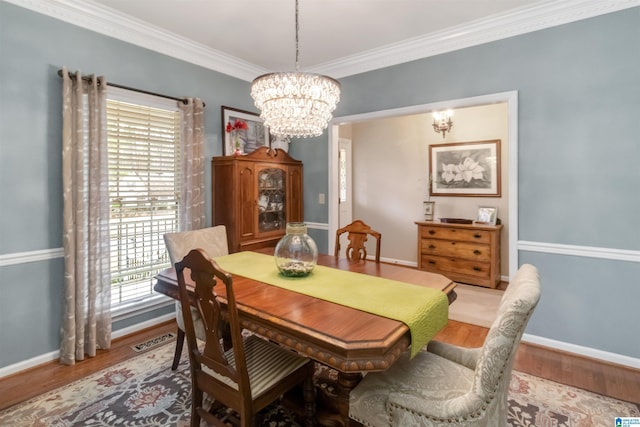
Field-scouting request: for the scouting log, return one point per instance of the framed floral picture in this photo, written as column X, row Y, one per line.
column 242, row 131
column 470, row 169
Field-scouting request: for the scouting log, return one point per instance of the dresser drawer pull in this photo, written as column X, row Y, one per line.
column 432, row 262
column 432, row 246
column 432, row 232
column 477, row 269
column 477, row 252
column 477, row 236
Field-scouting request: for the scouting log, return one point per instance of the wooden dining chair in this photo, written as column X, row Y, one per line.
column 358, row 233
column 250, row 375
column 214, row 241
column 449, row 385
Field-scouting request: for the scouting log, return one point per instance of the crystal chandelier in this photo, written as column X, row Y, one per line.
column 295, row 104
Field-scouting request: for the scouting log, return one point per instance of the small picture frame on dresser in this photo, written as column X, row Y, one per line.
column 487, row 215
column 429, row 209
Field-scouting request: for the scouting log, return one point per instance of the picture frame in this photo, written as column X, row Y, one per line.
column 255, row 136
column 487, row 215
column 280, row 142
column 465, row 169
column 429, row 209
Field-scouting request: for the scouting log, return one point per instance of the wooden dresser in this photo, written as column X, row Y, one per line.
column 466, row 253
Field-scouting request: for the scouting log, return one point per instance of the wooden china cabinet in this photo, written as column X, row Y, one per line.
column 255, row 195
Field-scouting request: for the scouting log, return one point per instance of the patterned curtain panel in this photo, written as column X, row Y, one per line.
column 191, row 214
column 86, row 324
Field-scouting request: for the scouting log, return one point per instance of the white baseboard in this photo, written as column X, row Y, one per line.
column 29, row 363
column 396, row 261
column 618, row 359
column 55, row 355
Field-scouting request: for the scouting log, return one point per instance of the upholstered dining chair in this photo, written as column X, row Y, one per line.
column 214, row 241
column 250, row 375
column 449, row 385
column 358, row 233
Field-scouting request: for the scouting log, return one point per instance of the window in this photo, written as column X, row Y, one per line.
column 143, row 135
column 342, row 156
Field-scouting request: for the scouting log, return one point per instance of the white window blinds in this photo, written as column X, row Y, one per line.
column 144, row 182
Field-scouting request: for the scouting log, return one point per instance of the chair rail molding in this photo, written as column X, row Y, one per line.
column 580, row 251
column 317, row 225
column 549, row 248
column 31, row 256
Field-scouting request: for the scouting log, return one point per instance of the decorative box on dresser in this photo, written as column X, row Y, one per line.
column 465, row 253
column 255, row 195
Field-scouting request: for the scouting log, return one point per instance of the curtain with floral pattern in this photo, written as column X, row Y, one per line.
column 192, row 165
column 86, row 325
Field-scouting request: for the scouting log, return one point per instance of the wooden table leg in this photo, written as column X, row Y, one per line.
column 346, row 383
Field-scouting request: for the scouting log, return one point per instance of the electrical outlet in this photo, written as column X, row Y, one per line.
column 321, row 198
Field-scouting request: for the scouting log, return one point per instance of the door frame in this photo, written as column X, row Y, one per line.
column 510, row 97
column 341, row 221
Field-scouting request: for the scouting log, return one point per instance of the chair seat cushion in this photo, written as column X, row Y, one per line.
column 267, row 364
column 427, row 377
column 197, row 321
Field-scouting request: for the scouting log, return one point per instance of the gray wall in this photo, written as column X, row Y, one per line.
column 33, row 48
column 579, row 147
column 578, row 155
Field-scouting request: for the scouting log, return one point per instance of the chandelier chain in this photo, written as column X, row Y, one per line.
column 297, row 39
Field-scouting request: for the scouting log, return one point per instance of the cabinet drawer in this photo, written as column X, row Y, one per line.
column 456, row 249
column 478, row 236
column 457, row 266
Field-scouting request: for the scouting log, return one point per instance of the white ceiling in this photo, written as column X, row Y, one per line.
column 245, row 38
column 262, row 32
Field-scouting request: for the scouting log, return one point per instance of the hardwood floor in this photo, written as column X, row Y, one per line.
column 603, row 378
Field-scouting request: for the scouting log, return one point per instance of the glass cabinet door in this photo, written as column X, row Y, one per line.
column 271, row 200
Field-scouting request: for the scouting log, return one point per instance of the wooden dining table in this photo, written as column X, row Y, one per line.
column 346, row 339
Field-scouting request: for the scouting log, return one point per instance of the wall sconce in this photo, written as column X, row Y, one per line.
column 442, row 122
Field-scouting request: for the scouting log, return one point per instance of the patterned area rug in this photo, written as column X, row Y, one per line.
column 145, row 392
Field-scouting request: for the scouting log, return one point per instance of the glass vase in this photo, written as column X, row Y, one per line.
column 296, row 253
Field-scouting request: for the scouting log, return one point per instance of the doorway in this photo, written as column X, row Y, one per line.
column 510, row 98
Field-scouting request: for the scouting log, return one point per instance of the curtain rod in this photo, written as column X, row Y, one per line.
column 183, row 100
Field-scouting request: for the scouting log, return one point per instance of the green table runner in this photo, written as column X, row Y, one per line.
column 423, row 310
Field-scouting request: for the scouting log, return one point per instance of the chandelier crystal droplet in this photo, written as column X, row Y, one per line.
column 295, row 104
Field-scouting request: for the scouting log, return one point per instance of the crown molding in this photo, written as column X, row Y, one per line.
column 95, row 17
column 545, row 14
